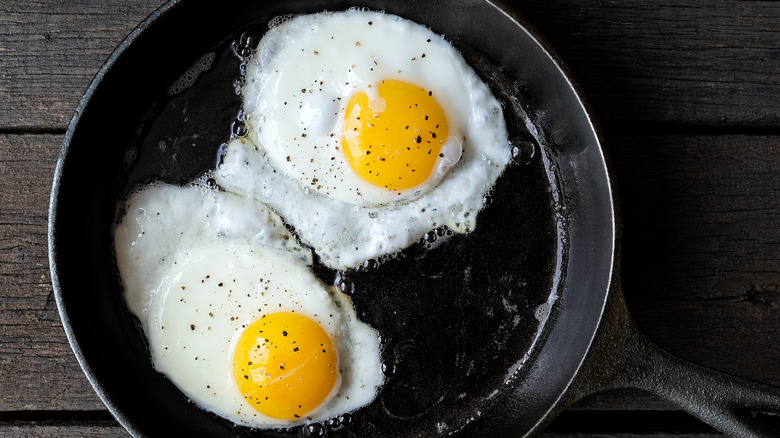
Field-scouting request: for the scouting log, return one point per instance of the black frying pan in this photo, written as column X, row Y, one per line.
column 493, row 333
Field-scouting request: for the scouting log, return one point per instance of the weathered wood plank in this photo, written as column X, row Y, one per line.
column 37, row 368
column 720, row 67
column 701, row 253
column 705, row 294
column 686, row 282
column 37, row 430
column 688, row 62
column 50, row 52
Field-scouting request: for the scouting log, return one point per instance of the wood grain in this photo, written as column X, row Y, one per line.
column 701, row 247
column 37, row 368
column 49, row 53
column 57, row 431
column 679, row 62
column 700, row 205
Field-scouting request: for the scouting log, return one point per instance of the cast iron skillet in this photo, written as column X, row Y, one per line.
column 490, row 334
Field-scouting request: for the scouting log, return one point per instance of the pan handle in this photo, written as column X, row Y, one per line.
column 622, row 357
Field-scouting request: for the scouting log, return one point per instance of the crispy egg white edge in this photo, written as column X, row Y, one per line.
column 304, row 71
column 161, row 220
column 189, row 334
column 164, row 225
column 345, row 235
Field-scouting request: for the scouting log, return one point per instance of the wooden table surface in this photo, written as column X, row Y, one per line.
column 687, row 93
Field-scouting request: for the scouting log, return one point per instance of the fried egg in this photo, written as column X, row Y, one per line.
column 233, row 315
column 365, row 131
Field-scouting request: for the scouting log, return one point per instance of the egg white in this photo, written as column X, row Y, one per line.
column 303, row 73
column 191, row 261
column 161, row 222
column 299, row 81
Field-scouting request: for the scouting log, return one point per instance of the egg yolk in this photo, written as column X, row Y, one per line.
column 285, row 365
column 395, row 140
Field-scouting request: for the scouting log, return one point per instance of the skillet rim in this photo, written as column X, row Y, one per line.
column 117, row 53
column 517, row 20
column 574, row 382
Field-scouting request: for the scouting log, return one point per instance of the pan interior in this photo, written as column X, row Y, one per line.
column 459, row 317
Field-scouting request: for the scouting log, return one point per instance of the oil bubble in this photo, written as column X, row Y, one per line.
column 389, row 369
column 344, row 284
column 523, row 151
column 279, row 20
column 130, row 156
column 221, row 151
column 370, row 265
column 189, row 77
column 542, row 312
column 314, row 430
column 238, row 129
column 487, row 200
column 334, row 424
column 346, row 419
column 244, row 45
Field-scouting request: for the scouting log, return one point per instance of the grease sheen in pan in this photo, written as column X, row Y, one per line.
column 459, row 315
column 450, row 307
